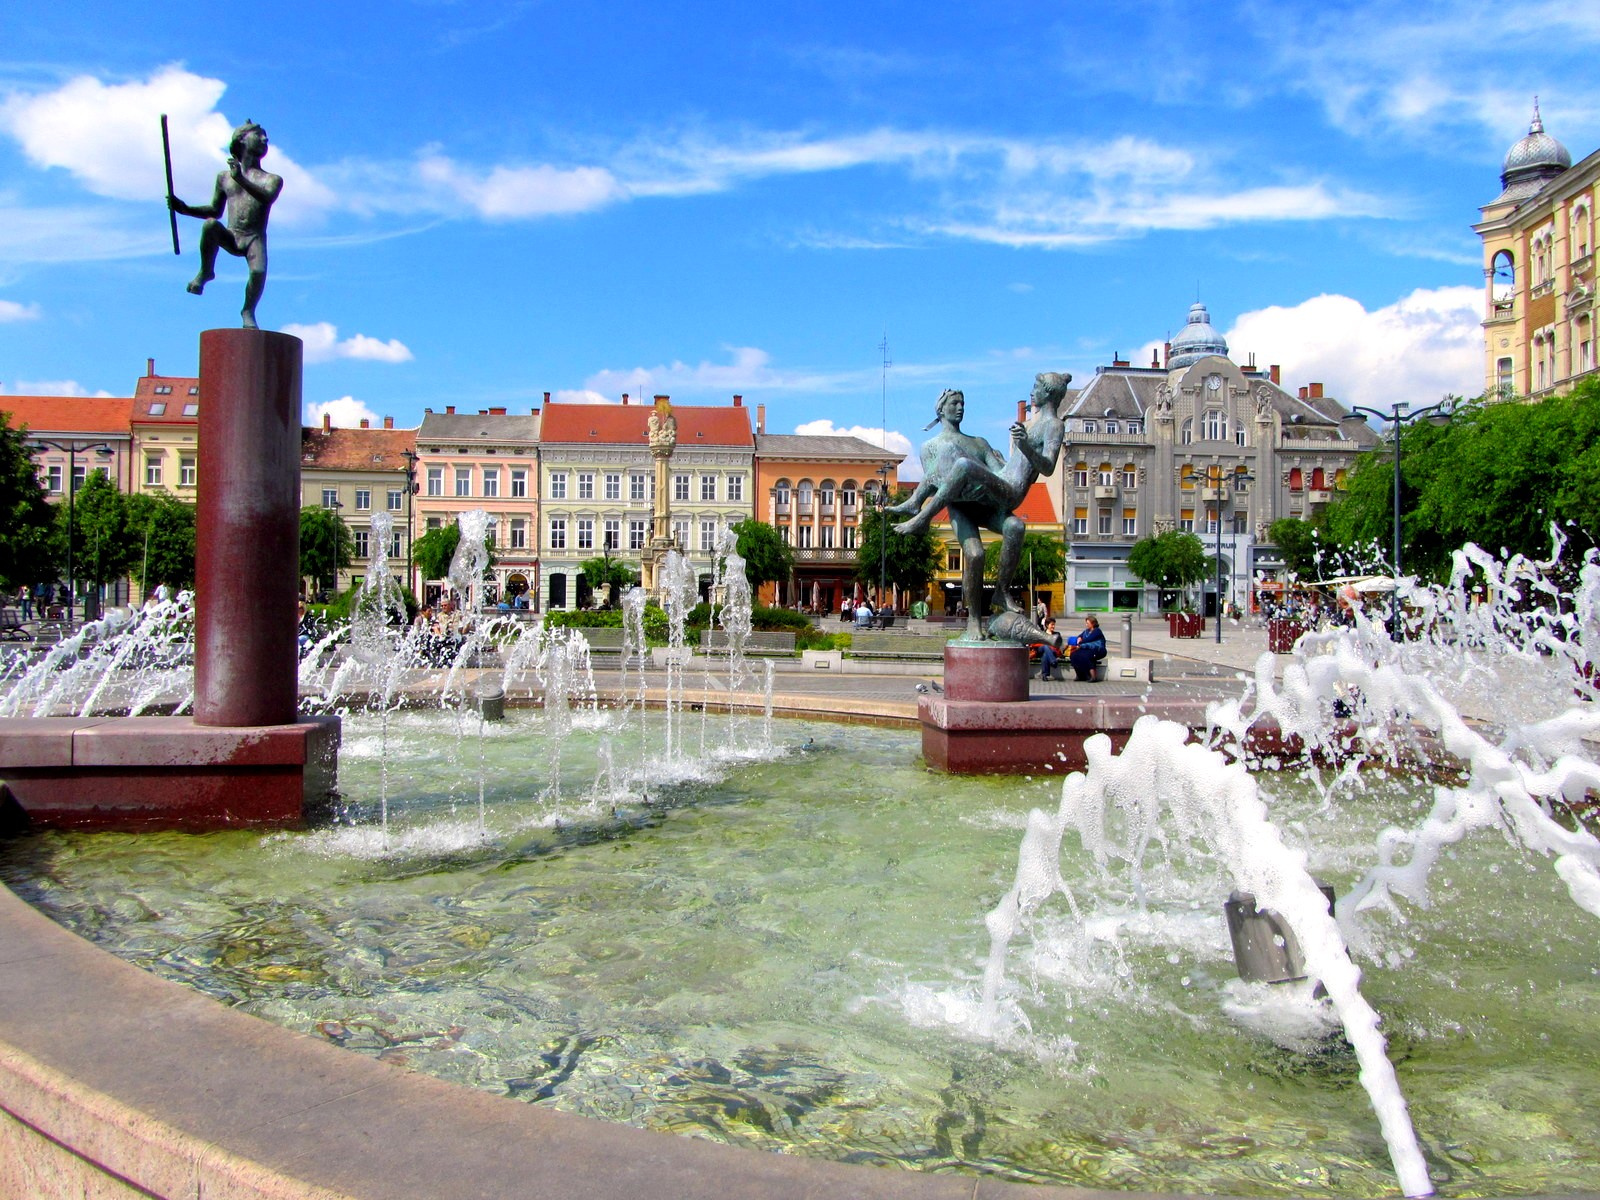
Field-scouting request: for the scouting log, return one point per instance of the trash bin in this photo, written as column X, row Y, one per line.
column 1282, row 633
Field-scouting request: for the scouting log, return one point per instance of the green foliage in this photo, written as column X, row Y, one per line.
column 762, row 617
column 1297, row 541
column 812, row 638
column 767, row 557
column 102, row 548
column 1049, row 555
column 909, row 561
column 345, row 604
column 1497, row 474
column 655, row 621
column 326, row 545
column 434, row 551
column 27, row 555
column 162, row 528
column 603, row 571
column 1171, row 561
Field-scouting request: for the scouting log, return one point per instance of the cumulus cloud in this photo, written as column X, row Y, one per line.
column 107, row 136
column 1419, row 348
column 582, row 396
column 10, row 310
column 345, row 413
column 322, row 344
column 49, row 387
column 521, row 192
column 897, row 443
column 751, row 369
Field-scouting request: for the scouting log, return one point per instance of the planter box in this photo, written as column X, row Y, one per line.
column 1185, row 625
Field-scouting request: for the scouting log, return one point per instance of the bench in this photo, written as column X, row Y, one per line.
column 915, row 646
column 11, row 627
column 772, row 643
column 606, row 644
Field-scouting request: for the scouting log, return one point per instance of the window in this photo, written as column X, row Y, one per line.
column 558, row 533
column 1113, row 427
column 1502, row 376
column 435, row 522
column 395, row 548
column 363, row 539
column 330, row 497
column 519, row 533
column 635, row 534
column 558, row 485
column 363, row 499
column 613, row 487
column 708, row 488
column 802, row 497
column 1297, row 480
column 158, row 408
column 1091, row 426
column 805, row 537
column 1186, row 520
column 636, row 487
column 585, row 485
column 1104, row 523
column 827, row 537
column 1080, row 521
column 847, row 497
column 1186, row 437
column 784, row 532
column 519, row 483
column 463, row 481
column 1186, row 476
column 736, row 489
column 613, row 528
column 680, row 532
column 396, row 499
column 1238, row 435
column 1130, row 476
column 586, row 533
column 825, row 494
column 1502, row 281
column 435, row 481
column 1135, row 426
column 191, row 410
column 1103, row 477
column 952, row 559
column 1216, row 425
column 1080, row 475
column 491, row 481
column 680, row 487
column 849, row 537
column 1130, row 522
column 163, row 389
column 53, row 475
column 186, row 472
column 708, row 536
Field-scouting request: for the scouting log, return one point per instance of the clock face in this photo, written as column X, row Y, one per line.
column 1213, row 382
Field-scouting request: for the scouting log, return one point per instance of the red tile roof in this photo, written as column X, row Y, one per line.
column 355, row 449
column 613, row 424
column 1035, row 509
column 68, row 414
column 180, row 391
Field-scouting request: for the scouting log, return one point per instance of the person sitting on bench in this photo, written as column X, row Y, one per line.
column 1088, row 648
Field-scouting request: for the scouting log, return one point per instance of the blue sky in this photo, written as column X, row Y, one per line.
column 484, row 202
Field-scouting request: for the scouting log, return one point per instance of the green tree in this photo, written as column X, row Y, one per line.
column 27, row 553
column 161, row 532
column 1298, row 543
column 767, row 557
column 1172, row 561
column 435, row 550
column 1048, row 556
column 326, row 546
column 908, row 561
column 103, row 548
column 608, row 572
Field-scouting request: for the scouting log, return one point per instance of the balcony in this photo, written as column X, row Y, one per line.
column 781, row 508
column 1319, row 496
column 819, row 554
column 1105, row 491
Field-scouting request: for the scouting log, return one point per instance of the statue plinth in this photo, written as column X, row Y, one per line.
column 994, row 673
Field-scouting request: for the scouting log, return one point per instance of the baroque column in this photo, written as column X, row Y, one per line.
column 663, row 435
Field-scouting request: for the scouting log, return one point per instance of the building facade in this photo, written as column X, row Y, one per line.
column 487, row 460
column 358, row 473
column 815, row 490
column 1539, row 269
column 597, row 487
column 1193, row 442
column 166, row 435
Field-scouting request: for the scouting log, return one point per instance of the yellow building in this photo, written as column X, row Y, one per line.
column 1538, row 258
column 166, row 434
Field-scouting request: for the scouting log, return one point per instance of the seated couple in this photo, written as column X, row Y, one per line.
column 1082, row 650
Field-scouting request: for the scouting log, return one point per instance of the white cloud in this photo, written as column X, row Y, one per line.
column 892, row 440
column 108, row 137
column 10, row 310
column 513, row 193
column 1419, row 348
column 750, row 370
column 582, row 396
column 345, row 413
column 322, row 344
column 49, row 387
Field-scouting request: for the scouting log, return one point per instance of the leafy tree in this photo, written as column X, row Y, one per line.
column 767, row 557
column 326, row 545
column 103, row 548
column 607, row 572
column 27, row 555
column 1297, row 542
column 434, row 551
column 1172, row 561
column 908, row 561
column 161, row 533
column 1049, row 557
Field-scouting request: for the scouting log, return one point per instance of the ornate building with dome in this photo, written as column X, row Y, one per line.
column 1538, row 264
column 1194, row 442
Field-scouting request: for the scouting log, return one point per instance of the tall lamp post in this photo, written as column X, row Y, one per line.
column 411, row 490
column 883, row 531
column 1400, row 415
column 70, row 449
column 1214, row 479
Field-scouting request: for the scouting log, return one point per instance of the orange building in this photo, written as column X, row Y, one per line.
column 814, row 489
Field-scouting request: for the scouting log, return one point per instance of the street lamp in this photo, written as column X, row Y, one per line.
column 1214, row 480
column 883, row 531
column 70, row 449
column 411, row 457
column 1399, row 415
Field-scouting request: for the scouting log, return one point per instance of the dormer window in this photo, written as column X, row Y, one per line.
column 1091, row 426
column 1113, row 427
column 158, row 408
column 191, row 410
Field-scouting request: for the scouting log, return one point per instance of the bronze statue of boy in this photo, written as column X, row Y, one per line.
column 246, row 192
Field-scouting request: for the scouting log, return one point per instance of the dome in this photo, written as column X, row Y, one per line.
column 1198, row 339
column 1535, row 157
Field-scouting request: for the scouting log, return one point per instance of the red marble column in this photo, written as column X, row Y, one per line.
column 248, row 541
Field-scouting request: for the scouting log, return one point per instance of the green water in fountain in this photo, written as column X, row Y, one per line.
column 786, row 955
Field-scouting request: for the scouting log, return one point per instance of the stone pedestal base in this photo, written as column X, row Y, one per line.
column 1046, row 734
column 993, row 674
column 148, row 773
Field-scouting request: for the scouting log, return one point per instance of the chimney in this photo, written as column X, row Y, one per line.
column 388, row 422
column 428, row 411
column 449, row 410
column 150, row 367
column 1117, row 360
column 327, row 422
column 365, row 424
column 497, row 412
column 761, row 418
column 1276, row 372
column 547, row 397
column 660, row 398
column 1155, row 360
column 1304, row 392
column 738, row 400
column 1166, row 354
column 1022, row 411
column 624, row 399
column 1316, row 391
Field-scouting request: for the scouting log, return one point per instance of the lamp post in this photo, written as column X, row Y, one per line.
column 411, row 490
column 883, row 530
column 70, row 449
column 1399, row 415
column 1214, row 479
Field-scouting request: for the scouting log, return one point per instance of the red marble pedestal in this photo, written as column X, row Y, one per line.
column 995, row 673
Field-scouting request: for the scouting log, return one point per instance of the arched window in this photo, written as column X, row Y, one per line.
column 1297, row 481
column 1318, row 480
column 1130, row 476
column 1580, row 232
column 1503, row 279
column 1080, row 475
column 780, row 495
column 803, row 495
column 827, row 491
column 1186, row 476
column 1186, row 435
column 1103, row 476
column 847, row 497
